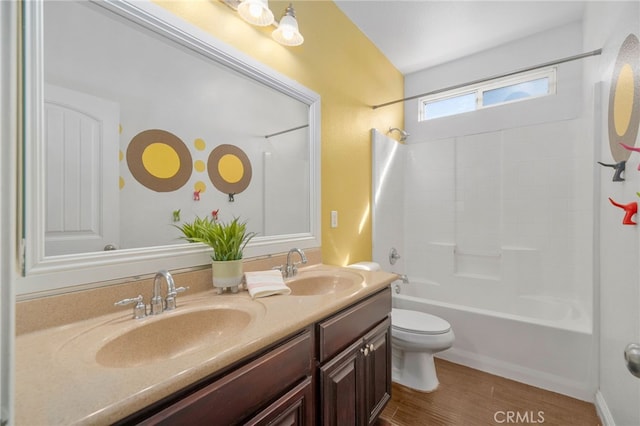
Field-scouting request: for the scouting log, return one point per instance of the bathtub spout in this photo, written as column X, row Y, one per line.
column 404, row 278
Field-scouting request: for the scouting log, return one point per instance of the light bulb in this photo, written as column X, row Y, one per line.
column 255, row 10
column 287, row 33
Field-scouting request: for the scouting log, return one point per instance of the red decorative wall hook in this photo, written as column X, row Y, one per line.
column 629, row 210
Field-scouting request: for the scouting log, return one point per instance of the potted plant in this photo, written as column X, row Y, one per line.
column 227, row 240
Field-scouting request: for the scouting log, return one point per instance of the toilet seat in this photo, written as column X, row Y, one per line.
column 418, row 322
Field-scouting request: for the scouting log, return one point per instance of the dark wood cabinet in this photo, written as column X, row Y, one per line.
column 334, row 372
column 248, row 389
column 377, row 375
column 295, row 408
column 339, row 388
column 355, row 384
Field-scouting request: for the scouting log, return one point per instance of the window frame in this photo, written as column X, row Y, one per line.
column 481, row 88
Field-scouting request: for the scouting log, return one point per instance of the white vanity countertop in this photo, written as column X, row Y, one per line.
column 59, row 381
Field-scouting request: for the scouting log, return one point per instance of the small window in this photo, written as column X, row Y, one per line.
column 450, row 106
column 490, row 93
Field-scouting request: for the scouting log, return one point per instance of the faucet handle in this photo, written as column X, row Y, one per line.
column 139, row 310
column 170, row 301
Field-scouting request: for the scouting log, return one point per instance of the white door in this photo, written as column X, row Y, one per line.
column 8, row 185
column 388, row 201
column 619, row 297
column 82, row 147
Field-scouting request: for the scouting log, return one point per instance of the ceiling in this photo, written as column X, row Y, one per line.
column 418, row 34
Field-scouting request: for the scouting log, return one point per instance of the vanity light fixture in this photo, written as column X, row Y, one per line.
column 257, row 12
column 287, row 32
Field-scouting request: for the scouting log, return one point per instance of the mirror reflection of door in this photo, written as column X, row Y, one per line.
column 81, row 137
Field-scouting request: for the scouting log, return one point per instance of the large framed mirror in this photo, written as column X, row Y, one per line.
column 135, row 122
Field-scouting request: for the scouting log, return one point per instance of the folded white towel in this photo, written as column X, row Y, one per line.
column 265, row 283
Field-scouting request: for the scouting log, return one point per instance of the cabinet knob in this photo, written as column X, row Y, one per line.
column 367, row 348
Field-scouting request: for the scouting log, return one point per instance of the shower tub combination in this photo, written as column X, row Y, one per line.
column 544, row 342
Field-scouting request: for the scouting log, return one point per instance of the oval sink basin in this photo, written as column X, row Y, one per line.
column 316, row 284
column 172, row 335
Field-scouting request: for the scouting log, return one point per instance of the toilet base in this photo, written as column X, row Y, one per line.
column 415, row 370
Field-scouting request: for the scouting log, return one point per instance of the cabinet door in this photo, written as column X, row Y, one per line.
column 340, row 380
column 377, row 366
column 295, row 408
column 239, row 394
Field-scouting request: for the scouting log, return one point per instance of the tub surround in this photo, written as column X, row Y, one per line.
column 57, row 383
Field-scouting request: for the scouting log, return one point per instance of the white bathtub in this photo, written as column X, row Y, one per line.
column 546, row 343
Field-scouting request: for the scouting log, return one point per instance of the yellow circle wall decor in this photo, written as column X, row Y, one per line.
column 199, row 186
column 229, row 169
column 624, row 99
column 199, row 144
column 199, row 166
column 159, row 160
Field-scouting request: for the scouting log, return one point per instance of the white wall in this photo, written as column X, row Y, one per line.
column 504, row 196
column 606, row 25
column 534, row 50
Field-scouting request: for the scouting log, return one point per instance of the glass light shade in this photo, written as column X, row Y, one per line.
column 256, row 12
column 287, row 32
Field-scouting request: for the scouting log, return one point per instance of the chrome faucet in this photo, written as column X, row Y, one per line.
column 291, row 269
column 158, row 305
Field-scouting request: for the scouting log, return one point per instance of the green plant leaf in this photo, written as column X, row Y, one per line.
column 227, row 240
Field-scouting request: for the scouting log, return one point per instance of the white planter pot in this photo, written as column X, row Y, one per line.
column 226, row 274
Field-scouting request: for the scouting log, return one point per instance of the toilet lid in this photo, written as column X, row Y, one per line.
column 418, row 322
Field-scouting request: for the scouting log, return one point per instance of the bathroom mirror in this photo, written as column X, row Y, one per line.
column 135, row 122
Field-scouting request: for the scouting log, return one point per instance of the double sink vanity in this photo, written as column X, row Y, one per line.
column 320, row 355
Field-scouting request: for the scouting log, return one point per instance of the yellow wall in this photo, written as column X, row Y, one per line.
column 350, row 74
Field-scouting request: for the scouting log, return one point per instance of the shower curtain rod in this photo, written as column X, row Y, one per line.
column 482, row 80
column 286, row 131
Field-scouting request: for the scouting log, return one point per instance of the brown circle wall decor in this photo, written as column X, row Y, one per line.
column 229, row 169
column 624, row 99
column 159, row 160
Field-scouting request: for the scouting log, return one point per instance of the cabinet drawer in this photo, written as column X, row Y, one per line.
column 242, row 392
column 339, row 331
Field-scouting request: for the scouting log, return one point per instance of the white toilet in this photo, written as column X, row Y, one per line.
column 415, row 338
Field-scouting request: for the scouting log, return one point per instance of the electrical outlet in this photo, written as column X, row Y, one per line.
column 334, row 218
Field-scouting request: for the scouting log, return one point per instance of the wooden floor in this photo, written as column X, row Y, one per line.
column 469, row 397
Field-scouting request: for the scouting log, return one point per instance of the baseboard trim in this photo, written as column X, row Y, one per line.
column 603, row 410
column 520, row 374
